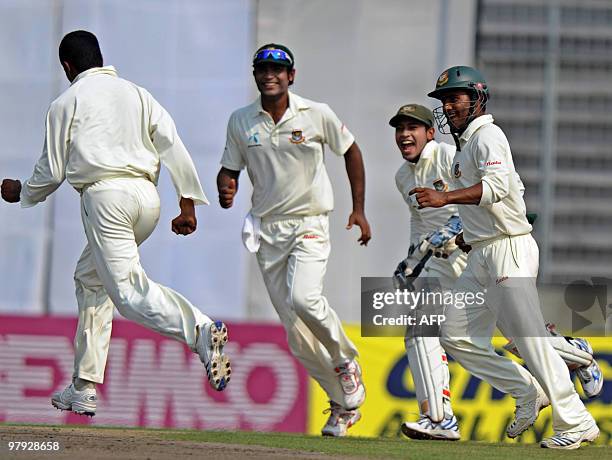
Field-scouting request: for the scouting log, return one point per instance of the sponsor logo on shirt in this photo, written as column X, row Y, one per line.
column 253, row 140
column 440, row 186
column 297, row 136
column 492, row 163
column 311, row 237
column 456, row 170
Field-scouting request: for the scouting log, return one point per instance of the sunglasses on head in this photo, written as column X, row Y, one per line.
column 277, row 55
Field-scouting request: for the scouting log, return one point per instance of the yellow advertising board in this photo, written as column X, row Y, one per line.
column 483, row 412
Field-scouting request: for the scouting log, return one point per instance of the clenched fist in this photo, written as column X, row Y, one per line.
column 11, row 190
column 227, row 194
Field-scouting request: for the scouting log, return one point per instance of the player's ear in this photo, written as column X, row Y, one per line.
column 69, row 70
column 291, row 75
column 431, row 132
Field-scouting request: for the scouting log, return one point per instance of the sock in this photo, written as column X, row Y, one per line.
column 81, row 384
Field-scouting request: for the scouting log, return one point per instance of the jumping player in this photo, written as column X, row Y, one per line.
column 108, row 138
column 279, row 138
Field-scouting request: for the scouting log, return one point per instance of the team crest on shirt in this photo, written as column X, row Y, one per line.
column 440, row 186
column 456, row 170
column 297, row 136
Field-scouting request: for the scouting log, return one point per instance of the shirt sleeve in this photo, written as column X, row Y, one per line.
column 492, row 157
column 173, row 154
column 447, row 152
column 50, row 170
column 335, row 133
column 233, row 155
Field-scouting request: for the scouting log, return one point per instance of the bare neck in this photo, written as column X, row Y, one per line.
column 276, row 106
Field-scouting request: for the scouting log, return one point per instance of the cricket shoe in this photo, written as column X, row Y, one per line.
column 340, row 420
column 571, row 439
column 349, row 375
column 590, row 377
column 425, row 428
column 210, row 340
column 79, row 402
column 526, row 414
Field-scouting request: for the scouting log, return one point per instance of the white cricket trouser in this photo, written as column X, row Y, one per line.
column 507, row 268
column 426, row 358
column 118, row 215
column 292, row 259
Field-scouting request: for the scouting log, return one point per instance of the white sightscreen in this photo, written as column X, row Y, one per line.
column 193, row 55
column 363, row 57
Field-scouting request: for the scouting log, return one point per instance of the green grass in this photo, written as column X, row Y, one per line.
column 384, row 448
column 388, row 447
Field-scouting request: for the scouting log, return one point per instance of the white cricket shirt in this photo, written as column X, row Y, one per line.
column 104, row 127
column 432, row 170
column 485, row 156
column 285, row 161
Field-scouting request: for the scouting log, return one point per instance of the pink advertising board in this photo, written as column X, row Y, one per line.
column 153, row 381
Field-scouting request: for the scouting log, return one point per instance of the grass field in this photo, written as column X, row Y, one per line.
column 95, row 443
column 389, row 448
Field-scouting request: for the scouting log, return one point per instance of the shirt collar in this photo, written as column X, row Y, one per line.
column 108, row 70
column 296, row 103
column 474, row 126
column 426, row 154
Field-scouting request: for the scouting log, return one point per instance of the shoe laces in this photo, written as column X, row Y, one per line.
column 425, row 422
column 337, row 414
column 523, row 411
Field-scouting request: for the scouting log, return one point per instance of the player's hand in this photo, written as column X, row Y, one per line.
column 11, row 190
column 429, row 198
column 359, row 218
column 402, row 278
column 459, row 241
column 227, row 194
column 185, row 223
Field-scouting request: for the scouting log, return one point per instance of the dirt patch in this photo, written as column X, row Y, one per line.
column 118, row 444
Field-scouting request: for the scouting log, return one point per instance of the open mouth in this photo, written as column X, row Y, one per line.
column 406, row 144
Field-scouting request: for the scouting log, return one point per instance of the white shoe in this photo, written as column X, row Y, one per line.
column 425, row 428
column 210, row 341
column 590, row 377
column 526, row 414
column 571, row 439
column 79, row 402
column 340, row 420
column 349, row 375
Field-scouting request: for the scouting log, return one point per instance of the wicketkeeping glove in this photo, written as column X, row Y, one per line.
column 410, row 268
column 447, row 249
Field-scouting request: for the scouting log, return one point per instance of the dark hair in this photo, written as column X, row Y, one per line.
column 81, row 49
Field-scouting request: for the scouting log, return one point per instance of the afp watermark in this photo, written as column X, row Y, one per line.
column 578, row 307
column 416, row 311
